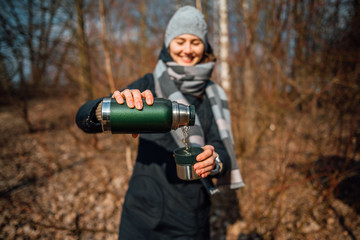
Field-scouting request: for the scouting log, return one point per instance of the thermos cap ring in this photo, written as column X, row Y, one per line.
column 105, row 115
column 192, row 115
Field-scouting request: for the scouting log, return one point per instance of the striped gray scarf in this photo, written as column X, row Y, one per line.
column 172, row 80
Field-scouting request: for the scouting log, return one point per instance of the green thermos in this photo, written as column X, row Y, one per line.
column 163, row 116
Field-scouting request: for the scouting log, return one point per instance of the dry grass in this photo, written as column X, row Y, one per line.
column 59, row 183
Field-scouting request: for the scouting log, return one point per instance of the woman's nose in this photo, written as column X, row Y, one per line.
column 187, row 48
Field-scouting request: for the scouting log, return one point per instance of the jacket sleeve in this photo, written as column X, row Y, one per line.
column 86, row 119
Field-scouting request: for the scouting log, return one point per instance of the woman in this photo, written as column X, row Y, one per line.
column 158, row 205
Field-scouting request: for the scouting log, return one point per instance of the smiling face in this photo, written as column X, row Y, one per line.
column 186, row 49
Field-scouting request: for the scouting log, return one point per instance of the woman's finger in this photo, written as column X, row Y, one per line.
column 208, row 152
column 149, row 98
column 204, row 170
column 118, row 97
column 137, row 99
column 128, row 98
column 209, row 162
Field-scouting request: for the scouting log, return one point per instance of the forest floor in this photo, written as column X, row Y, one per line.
column 57, row 182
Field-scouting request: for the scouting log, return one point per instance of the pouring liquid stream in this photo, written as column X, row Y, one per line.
column 185, row 131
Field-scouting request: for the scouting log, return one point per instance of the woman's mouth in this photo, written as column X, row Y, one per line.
column 186, row 59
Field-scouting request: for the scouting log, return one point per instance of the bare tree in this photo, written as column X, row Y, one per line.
column 143, row 36
column 216, row 35
column 33, row 35
column 4, row 76
column 224, row 47
column 106, row 47
column 248, row 76
column 83, row 52
column 199, row 5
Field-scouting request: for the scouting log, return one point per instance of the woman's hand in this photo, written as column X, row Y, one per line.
column 133, row 99
column 206, row 161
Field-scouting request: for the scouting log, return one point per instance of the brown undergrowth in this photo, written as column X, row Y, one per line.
column 59, row 183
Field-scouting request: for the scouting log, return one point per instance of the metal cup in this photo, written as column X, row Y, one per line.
column 185, row 160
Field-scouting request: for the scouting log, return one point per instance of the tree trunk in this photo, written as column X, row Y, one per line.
column 216, row 37
column 83, row 54
column 198, row 5
column 249, row 81
column 30, row 31
column 224, row 47
column 106, row 47
column 143, row 39
column 4, row 77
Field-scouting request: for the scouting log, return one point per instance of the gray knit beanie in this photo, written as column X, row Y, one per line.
column 186, row 20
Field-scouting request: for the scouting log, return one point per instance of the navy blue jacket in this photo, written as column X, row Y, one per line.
column 158, row 205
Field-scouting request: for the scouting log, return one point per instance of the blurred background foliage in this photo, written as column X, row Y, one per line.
column 291, row 70
column 285, row 56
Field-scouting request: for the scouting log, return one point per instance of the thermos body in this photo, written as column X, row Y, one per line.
column 160, row 117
